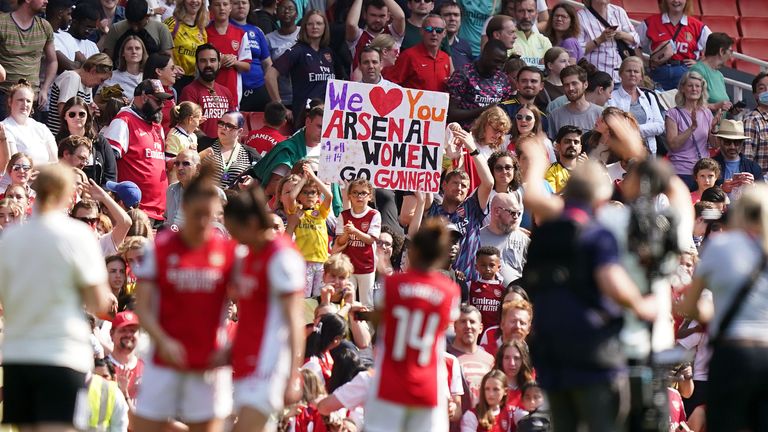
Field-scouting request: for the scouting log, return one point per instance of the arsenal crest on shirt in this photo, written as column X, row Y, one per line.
column 235, row 45
column 328, row 57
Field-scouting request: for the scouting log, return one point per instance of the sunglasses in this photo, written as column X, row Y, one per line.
column 23, row 168
column 227, row 126
column 504, row 168
column 511, row 212
column 430, row 29
column 359, row 194
column 80, row 114
column 526, row 117
column 182, row 163
column 422, row 1
column 89, row 221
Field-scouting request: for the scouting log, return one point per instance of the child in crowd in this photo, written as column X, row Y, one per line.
column 337, row 285
column 490, row 414
column 264, row 139
column 357, row 230
column 705, row 173
column 485, row 293
column 306, row 221
column 10, row 213
column 532, row 400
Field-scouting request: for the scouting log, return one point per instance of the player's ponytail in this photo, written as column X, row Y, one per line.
column 430, row 246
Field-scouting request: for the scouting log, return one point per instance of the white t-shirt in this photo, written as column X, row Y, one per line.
column 54, row 257
column 33, row 138
column 354, row 393
column 66, row 44
column 127, row 81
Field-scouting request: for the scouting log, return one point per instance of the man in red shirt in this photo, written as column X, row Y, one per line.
column 128, row 366
column 214, row 98
column 264, row 139
column 137, row 139
column 424, row 66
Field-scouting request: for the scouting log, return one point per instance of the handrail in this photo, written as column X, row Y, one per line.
column 738, row 88
column 737, row 55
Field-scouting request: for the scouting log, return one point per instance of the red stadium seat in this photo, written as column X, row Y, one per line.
column 726, row 8
column 757, row 48
column 641, row 6
column 753, row 8
column 754, row 27
column 723, row 24
column 639, row 16
column 619, row 3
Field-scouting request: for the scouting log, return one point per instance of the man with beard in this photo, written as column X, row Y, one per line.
column 503, row 232
column 569, row 155
column 530, row 44
column 478, row 85
column 377, row 14
column 530, row 82
column 128, row 366
column 214, row 98
column 136, row 136
column 736, row 170
column 73, row 46
column 474, row 361
column 578, row 111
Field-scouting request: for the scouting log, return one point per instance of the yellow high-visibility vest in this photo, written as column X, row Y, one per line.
column 101, row 401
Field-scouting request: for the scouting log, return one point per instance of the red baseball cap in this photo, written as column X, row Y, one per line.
column 125, row 318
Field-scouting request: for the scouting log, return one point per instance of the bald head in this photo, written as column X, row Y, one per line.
column 506, row 213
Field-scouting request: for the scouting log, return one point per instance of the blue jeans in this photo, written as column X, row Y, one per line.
column 668, row 76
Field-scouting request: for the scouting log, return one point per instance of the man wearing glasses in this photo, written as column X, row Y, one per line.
column 504, row 233
column 736, row 170
column 137, row 140
column 424, row 66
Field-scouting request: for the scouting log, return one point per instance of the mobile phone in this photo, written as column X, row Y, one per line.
column 363, row 315
column 740, row 104
column 613, row 27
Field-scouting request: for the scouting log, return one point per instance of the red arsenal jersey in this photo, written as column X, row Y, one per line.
column 264, row 139
column 215, row 103
column 141, row 150
column 686, row 43
column 418, row 306
column 361, row 254
column 486, row 297
column 192, row 291
column 261, row 340
column 234, row 41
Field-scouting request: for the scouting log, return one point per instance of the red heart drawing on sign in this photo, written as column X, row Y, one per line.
column 385, row 102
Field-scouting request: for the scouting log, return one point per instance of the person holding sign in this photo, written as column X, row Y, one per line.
column 306, row 221
column 467, row 213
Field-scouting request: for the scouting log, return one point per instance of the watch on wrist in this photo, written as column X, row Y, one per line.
column 474, row 152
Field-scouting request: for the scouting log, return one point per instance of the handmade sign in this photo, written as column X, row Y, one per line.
column 391, row 136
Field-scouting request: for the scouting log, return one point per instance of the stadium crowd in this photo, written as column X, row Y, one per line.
column 165, row 265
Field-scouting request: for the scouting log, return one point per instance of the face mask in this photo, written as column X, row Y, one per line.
column 762, row 98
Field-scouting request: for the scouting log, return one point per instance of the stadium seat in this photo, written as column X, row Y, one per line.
column 754, row 48
column 641, row 6
column 724, row 24
column 639, row 16
column 724, row 8
column 754, row 27
column 255, row 121
column 753, row 8
column 619, row 3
